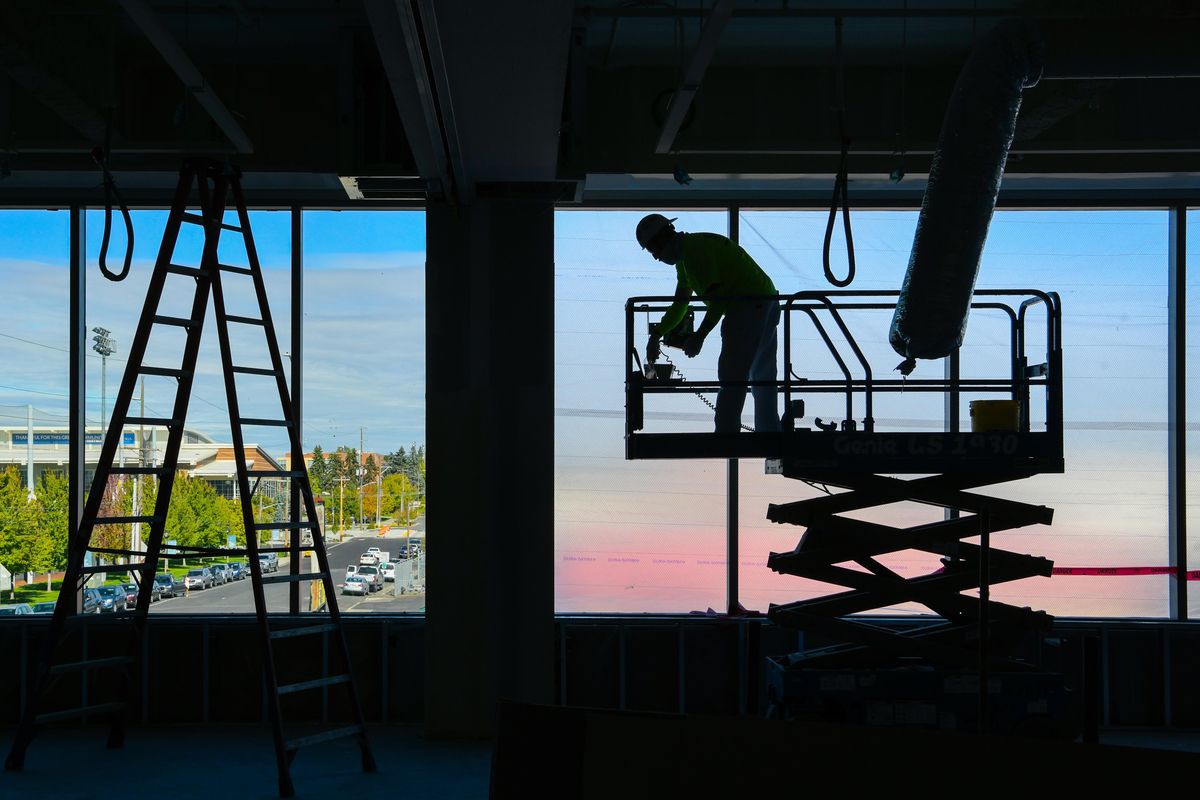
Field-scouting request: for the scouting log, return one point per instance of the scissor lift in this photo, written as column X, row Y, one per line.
column 856, row 454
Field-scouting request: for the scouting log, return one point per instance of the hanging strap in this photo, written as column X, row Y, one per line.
column 841, row 182
column 100, row 156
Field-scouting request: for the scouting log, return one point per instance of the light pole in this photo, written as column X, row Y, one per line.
column 379, row 495
column 105, row 345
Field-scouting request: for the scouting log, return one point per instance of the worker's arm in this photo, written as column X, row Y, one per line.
column 678, row 310
column 694, row 342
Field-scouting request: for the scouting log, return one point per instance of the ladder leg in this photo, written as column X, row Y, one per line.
column 81, row 541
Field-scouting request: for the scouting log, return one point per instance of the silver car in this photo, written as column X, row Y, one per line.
column 198, row 579
column 356, row 585
column 16, row 609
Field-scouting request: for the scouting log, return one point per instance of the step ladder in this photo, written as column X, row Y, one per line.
column 216, row 184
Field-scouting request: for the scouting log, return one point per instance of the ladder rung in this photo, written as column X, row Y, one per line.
column 113, row 551
column 168, row 372
column 124, row 520
column 244, row 320
column 283, row 526
column 178, row 269
column 278, row 423
column 313, row 684
column 136, row 470
column 196, row 219
column 275, row 473
column 114, row 567
column 325, row 736
column 83, row 711
column 252, row 370
column 309, row 630
column 238, row 270
column 181, row 322
column 303, row 576
column 163, row 421
column 76, row 666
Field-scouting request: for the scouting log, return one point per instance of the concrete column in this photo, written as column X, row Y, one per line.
column 490, row 452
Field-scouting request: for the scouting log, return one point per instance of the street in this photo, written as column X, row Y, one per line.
column 236, row 597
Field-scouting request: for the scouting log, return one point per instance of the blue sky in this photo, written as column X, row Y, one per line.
column 364, row 322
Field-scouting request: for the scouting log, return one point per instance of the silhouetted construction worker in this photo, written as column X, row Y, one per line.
column 712, row 266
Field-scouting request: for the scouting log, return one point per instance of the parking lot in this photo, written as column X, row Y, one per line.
column 236, row 597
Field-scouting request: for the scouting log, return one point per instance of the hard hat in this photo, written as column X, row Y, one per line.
column 650, row 226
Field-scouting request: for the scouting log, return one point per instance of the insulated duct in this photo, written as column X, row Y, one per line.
column 964, row 179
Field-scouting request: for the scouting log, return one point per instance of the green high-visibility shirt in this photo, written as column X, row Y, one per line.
column 713, row 265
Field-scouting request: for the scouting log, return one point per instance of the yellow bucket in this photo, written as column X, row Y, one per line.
column 994, row 415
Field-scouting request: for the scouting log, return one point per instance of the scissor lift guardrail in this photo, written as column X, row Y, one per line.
column 857, row 456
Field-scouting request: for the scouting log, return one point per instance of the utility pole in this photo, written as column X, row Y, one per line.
column 29, row 454
column 360, row 470
column 342, row 508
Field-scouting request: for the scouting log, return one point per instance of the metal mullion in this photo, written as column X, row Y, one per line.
column 732, row 547
column 77, row 458
column 1177, row 409
column 296, row 393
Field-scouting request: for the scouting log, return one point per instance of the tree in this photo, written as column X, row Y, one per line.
column 24, row 546
column 319, row 472
column 395, row 461
column 55, row 521
column 370, row 470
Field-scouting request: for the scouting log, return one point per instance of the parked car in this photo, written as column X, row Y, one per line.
column 220, row 573
column 168, row 586
column 269, row 562
column 198, row 578
column 155, row 591
column 372, row 574
column 131, row 595
column 389, row 571
column 45, row 607
column 15, row 609
column 356, row 585
column 91, row 601
column 112, row 599
column 237, row 570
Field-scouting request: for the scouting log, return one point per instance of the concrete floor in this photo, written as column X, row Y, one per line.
column 233, row 762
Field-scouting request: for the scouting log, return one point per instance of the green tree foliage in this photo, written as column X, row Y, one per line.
column 409, row 462
column 319, row 472
column 53, row 496
column 197, row 515
column 24, row 545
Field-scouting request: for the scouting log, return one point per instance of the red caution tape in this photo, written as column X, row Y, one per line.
column 1191, row 575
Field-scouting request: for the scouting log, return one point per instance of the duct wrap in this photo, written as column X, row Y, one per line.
column 964, row 179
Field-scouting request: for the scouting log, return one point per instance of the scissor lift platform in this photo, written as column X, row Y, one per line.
column 854, row 455
column 856, row 444
column 891, row 452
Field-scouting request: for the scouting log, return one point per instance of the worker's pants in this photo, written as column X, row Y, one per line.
column 748, row 347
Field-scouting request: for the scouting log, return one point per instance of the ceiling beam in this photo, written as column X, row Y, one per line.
column 162, row 40
column 432, row 41
column 395, row 30
column 681, row 101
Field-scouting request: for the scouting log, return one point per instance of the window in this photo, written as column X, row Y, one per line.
column 630, row 536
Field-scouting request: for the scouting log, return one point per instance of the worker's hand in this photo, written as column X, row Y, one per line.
column 692, row 345
column 652, row 349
